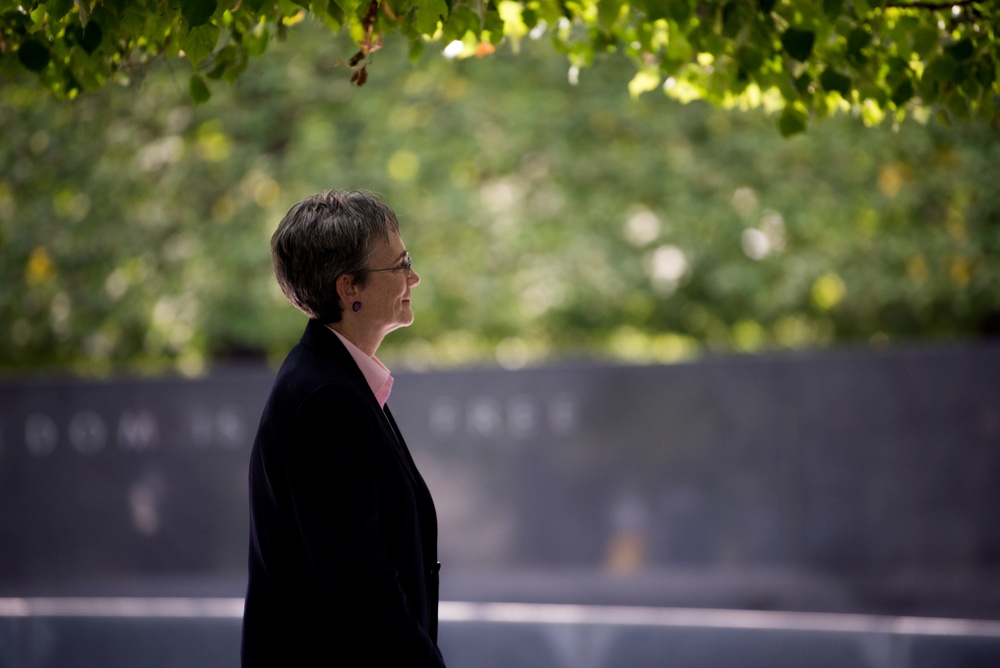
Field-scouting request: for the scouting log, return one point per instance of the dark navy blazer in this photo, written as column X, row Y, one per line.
column 343, row 531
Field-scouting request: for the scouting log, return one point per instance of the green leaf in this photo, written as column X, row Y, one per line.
column 970, row 88
column 416, row 49
column 798, row 43
column 224, row 59
column 793, row 120
column 288, row 7
column 857, row 40
column 256, row 42
column 199, row 42
column 802, row 83
column 428, row 14
column 33, row 55
column 941, row 68
column 197, row 12
column 902, row 93
column 985, row 74
column 925, row 40
column 644, row 80
column 349, row 7
column 987, row 110
column 680, row 11
column 86, row 77
column 897, row 66
column 493, row 24
column 962, row 50
column 834, row 81
column 733, row 19
column 133, row 20
column 199, row 91
column 654, row 9
column 607, row 13
column 235, row 70
column 749, row 58
column 833, row 8
column 38, row 16
column 958, row 106
column 679, row 49
column 873, row 92
column 91, row 37
column 461, row 21
column 333, row 17
column 57, row 9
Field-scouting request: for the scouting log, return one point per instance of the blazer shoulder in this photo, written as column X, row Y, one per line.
column 318, row 359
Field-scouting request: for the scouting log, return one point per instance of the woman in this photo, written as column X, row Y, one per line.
column 343, row 532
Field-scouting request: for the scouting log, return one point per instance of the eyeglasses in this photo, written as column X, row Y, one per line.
column 406, row 264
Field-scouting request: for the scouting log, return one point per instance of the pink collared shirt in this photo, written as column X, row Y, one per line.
column 374, row 371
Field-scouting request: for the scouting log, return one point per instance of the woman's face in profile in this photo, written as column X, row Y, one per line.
column 385, row 299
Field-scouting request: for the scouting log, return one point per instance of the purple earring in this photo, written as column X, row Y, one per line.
column 356, row 307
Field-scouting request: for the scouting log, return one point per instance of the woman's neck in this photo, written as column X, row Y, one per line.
column 355, row 331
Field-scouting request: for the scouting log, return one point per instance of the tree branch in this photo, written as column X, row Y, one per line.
column 931, row 5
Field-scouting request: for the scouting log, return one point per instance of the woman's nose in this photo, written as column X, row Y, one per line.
column 414, row 278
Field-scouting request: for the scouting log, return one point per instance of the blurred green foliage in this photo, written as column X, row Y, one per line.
column 797, row 58
column 547, row 220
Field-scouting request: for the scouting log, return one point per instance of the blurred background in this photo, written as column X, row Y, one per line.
column 686, row 393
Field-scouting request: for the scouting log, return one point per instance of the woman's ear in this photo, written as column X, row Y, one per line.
column 347, row 289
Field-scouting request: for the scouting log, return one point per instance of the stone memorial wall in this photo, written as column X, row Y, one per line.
column 877, row 473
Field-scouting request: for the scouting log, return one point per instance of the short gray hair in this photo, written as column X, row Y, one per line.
column 324, row 237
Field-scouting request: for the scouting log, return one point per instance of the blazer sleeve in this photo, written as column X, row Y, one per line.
column 332, row 466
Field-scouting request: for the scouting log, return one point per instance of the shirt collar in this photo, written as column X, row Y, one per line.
column 376, row 374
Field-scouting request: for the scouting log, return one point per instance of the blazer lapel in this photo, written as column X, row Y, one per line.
column 425, row 502
column 402, row 450
column 318, row 337
column 399, row 445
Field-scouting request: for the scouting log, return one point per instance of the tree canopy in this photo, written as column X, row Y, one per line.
column 796, row 58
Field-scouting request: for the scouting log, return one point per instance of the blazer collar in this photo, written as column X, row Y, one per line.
column 319, row 339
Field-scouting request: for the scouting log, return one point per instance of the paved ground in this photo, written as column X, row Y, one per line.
column 188, row 632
